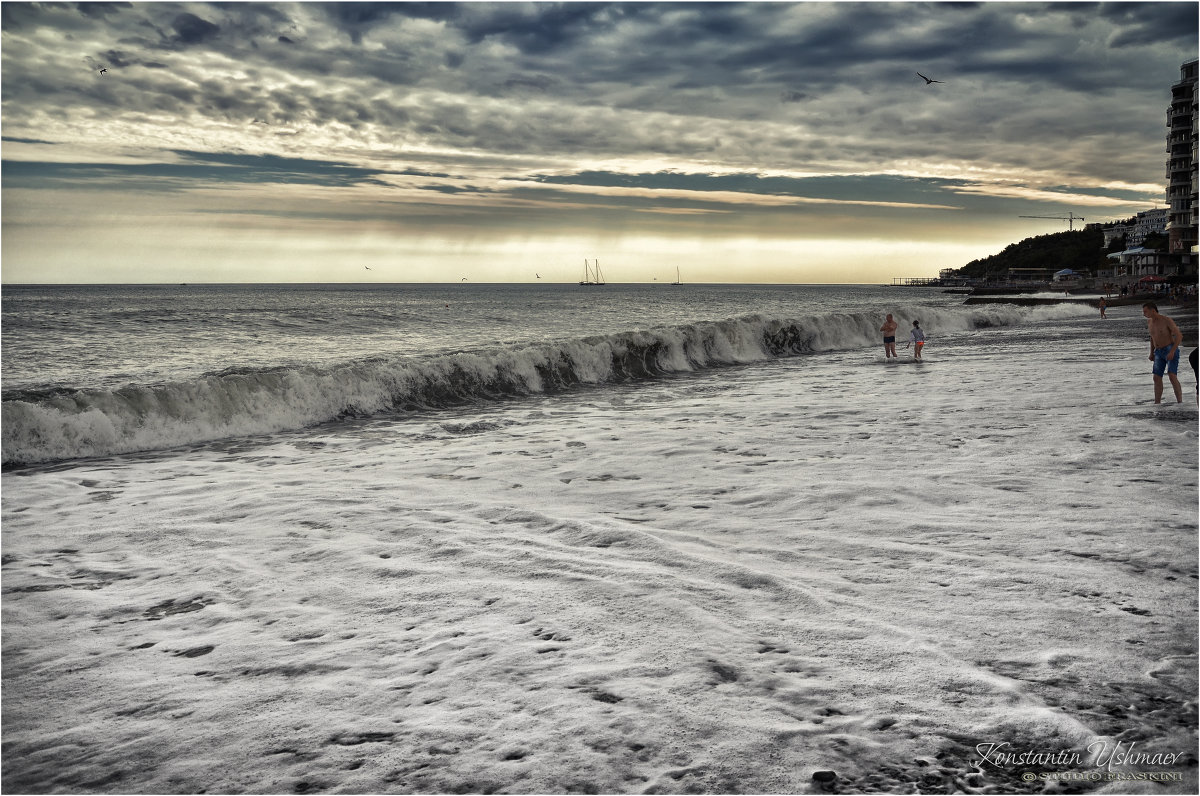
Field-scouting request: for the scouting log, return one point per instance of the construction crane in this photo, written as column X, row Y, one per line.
column 1070, row 218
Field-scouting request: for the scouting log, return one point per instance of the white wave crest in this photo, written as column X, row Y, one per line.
column 88, row 423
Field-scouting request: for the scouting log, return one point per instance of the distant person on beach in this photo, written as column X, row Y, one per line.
column 916, row 338
column 1165, row 339
column 889, row 337
column 1103, row 304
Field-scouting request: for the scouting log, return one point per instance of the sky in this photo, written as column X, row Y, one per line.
column 508, row 142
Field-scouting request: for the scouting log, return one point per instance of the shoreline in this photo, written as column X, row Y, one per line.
column 1189, row 324
column 1183, row 313
column 1094, row 300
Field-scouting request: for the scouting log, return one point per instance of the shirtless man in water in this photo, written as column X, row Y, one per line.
column 889, row 337
column 1165, row 339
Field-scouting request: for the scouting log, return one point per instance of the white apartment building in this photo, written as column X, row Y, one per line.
column 1135, row 232
column 1148, row 222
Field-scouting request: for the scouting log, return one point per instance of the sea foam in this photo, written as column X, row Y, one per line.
column 63, row 424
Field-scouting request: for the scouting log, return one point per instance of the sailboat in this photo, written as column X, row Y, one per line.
column 591, row 274
column 677, row 280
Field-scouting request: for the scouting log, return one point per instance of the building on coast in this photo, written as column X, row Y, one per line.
column 1134, row 231
column 1178, row 220
column 1114, row 233
column 1147, row 223
column 1181, row 170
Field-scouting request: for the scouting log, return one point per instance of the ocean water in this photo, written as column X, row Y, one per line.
column 101, row 370
column 619, row 539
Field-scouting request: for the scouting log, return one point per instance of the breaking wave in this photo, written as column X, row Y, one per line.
column 62, row 424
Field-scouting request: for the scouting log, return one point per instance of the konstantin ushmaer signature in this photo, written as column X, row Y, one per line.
column 1099, row 754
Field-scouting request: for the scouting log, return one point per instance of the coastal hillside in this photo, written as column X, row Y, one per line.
column 1080, row 250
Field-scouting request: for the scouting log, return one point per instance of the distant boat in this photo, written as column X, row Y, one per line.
column 677, row 280
column 591, row 274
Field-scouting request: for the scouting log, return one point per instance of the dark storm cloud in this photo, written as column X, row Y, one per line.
column 101, row 10
column 121, row 59
column 191, row 29
column 539, row 28
column 64, row 17
column 455, row 189
column 16, row 140
column 1149, row 23
column 198, row 168
column 812, row 87
column 589, row 46
column 556, row 26
column 272, row 168
column 843, row 188
column 356, row 19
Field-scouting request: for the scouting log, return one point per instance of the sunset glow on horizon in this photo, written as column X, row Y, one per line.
column 430, row 142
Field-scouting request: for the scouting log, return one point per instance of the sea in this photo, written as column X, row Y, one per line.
column 559, row 538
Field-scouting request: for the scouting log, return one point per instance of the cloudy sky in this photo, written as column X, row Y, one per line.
column 740, row 142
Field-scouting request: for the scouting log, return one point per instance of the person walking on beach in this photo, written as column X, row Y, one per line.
column 916, row 338
column 889, row 337
column 1165, row 339
column 1103, row 305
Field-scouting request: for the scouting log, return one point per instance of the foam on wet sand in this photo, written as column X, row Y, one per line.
column 700, row 584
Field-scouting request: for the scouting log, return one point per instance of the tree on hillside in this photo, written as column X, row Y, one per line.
column 1080, row 250
column 1157, row 241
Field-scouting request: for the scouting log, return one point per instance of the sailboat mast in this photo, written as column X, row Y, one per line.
column 591, row 273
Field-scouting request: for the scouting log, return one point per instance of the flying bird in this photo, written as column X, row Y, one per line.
column 929, row 80
column 103, row 71
column 535, row 273
column 367, row 267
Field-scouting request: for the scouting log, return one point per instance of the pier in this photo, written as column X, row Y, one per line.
column 916, row 281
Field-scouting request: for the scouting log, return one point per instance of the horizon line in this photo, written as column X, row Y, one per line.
column 386, row 284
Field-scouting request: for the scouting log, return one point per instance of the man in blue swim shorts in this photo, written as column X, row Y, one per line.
column 1165, row 339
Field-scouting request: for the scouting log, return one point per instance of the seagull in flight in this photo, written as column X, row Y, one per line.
column 367, row 267
column 103, row 71
column 929, row 80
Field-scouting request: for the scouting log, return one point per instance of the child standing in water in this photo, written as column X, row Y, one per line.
column 916, row 338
